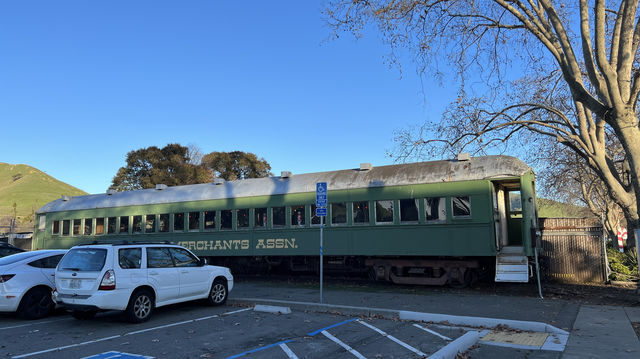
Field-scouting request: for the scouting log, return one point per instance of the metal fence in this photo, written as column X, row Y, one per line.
column 572, row 250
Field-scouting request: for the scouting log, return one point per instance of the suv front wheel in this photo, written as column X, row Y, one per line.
column 218, row 293
column 140, row 306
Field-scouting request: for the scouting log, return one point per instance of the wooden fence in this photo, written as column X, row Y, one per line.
column 572, row 250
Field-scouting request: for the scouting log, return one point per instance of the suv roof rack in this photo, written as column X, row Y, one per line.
column 123, row 243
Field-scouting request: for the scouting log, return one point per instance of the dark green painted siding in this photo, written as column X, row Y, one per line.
column 455, row 237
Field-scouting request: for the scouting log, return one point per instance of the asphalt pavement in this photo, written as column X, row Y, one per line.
column 590, row 331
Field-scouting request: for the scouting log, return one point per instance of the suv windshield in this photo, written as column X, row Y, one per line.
column 84, row 259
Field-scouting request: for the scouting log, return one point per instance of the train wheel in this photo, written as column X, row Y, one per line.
column 470, row 277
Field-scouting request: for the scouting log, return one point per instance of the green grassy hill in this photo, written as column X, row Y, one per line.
column 30, row 189
column 551, row 209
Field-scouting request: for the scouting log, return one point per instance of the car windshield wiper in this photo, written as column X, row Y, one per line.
column 73, row 269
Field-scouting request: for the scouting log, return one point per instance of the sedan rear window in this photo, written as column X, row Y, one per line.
column 17, row 257
column 84, row 259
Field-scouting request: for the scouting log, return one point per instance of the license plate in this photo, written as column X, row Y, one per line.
column 75, row 283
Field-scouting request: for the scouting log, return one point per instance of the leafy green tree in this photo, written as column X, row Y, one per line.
column 149, row 166
column 236, row 165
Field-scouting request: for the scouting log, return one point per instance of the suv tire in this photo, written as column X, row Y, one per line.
column 36, row 303
column 140, row 306
column 218, row 292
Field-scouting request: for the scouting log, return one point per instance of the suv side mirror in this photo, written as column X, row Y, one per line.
column 203, row 262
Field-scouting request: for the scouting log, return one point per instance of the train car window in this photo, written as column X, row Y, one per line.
column 408, row 211
column 42, row 222
column 435, row 209
column 242, row 218
column 88, row 226
column 209, row 220
column 150, row 223
column 77, row 224
column 360, row 213
column 163, row 223
column 56, row 228
column 226, row 219
column 461, row 207
column 260, row 218
column 178, row 222
column 124, row 224
column 137, row 224
column 297, row 216
column 515, row 204
column 384, row 212
column 99, row 226
column 315, row 220
column 339, row 214
column 65, row 227
column 279, row 217
column 111, row 225
column 194, row 221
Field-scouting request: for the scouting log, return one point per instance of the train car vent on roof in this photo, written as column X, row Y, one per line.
column 365, row 166
column 218, row 180
column 161, row 186
column 285, row 174
column 464, row 156
column 66, row 198
column 110, row 192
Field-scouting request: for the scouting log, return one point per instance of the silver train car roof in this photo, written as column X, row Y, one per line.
column 476, row 168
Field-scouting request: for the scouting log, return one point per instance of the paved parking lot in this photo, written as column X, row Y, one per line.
column 192, row 330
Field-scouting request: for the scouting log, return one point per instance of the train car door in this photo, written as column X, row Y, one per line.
column 507, row 213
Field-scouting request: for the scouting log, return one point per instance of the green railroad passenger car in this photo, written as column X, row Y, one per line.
column 433, row 222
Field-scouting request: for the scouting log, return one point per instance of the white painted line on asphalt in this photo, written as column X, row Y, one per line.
column 451, row 350
column 33, row 323
column 392, row 338
column 65, row 347
column 431, row 331
column 236, row 311
column 126, row 334
column 343, row 344
column 288, row 351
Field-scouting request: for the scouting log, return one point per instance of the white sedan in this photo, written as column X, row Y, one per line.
column 26, row 281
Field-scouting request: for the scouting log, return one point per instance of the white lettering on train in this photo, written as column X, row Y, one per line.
column 239, row 244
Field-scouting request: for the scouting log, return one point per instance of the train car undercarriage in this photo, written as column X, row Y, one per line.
column 455, row 272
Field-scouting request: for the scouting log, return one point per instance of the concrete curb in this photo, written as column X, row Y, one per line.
column 459, row 345
column 478, row 322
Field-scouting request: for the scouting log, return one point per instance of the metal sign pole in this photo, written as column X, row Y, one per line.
column 321, row 211
column 321, row 256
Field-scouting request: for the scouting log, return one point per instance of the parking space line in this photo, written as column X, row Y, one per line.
column 407, row 346
column 125, row 334
column 65, row 347
column 431, row 331
column 343, row 344
column 33, row 323
column 260, row 349
column 331, row 326
column 288, row 351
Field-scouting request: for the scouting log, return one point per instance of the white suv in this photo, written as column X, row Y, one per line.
column 135, row 278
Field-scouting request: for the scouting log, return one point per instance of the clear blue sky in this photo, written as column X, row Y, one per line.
column 84, row 82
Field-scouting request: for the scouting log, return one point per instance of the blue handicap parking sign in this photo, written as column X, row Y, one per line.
column 321, row 194
column 321, row 211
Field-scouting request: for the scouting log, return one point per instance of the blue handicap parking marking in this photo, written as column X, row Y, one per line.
column 118, row 355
